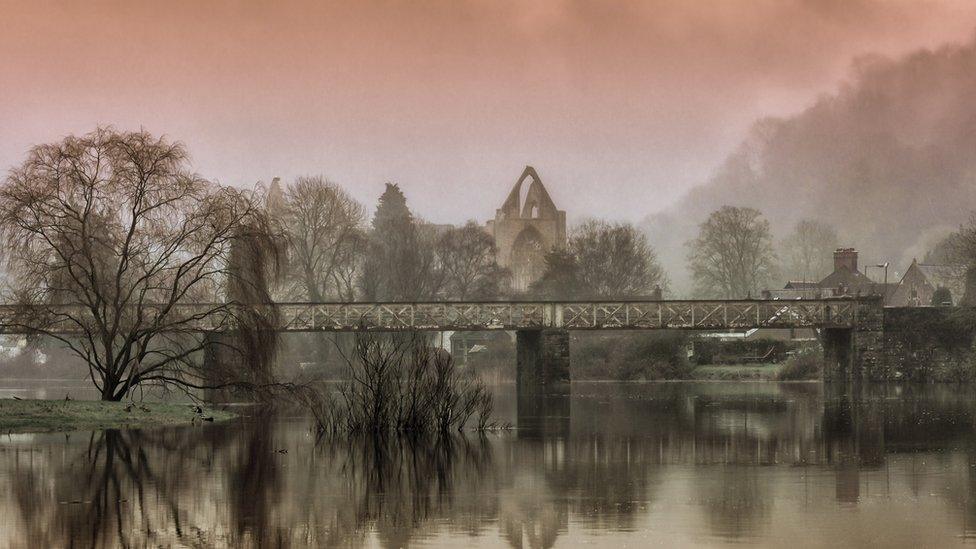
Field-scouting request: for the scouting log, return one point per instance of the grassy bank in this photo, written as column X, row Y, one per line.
column 20, row 416
column 735, row 372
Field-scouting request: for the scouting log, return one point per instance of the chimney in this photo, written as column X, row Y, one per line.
column 845, row 258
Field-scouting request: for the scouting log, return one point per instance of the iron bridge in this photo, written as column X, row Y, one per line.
column 516, row 315
column 568, row 315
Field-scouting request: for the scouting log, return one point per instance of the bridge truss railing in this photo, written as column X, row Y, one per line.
column 595, row 315
column 512, row 315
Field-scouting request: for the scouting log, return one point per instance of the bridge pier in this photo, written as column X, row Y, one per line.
column 838, row 350
column 542, row 415
column 542, row 361
column 856, row 353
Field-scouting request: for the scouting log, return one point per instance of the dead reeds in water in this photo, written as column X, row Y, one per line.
column 399, row 383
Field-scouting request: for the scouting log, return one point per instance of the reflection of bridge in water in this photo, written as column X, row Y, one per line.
column 851, row 328
column 719, row 462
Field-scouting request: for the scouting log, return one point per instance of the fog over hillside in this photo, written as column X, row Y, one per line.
column 889, row 160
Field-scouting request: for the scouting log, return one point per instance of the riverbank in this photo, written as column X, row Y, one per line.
column 23, row 416
column 737, row 372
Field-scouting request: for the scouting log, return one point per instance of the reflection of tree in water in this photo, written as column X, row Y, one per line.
column 229, row 486
column 398, row 485
column 109, row 493
column 603, row 481
column 138, row 488
column 736, row 500
column 610, row 478
column 254, row 487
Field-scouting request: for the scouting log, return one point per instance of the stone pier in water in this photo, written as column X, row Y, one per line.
column 542, row 361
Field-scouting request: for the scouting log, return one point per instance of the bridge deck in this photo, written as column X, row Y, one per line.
column 519, row 315
column 593, row 315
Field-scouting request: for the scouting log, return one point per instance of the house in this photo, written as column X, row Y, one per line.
column 845, row 280
column 795, row 289
column 920, row 282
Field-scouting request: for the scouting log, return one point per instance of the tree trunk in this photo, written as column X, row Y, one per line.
column 110, row 390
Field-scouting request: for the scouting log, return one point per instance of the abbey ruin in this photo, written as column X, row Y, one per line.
column 526, row 227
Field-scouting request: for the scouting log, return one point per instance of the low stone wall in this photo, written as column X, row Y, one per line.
column 928, row 344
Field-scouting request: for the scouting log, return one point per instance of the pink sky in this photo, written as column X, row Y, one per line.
column 621, row 107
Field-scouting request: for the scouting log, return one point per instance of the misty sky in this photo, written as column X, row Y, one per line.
column 621, row 109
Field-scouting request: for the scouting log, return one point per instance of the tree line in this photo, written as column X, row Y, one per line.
column 116, row 226
column 735, row 255
column 109, row 234
column 333, row 253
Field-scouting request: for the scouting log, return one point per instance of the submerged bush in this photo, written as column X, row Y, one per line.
column 398, row 384
column 802, row 366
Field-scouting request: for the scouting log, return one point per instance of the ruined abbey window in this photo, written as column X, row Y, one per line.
column 528, row 259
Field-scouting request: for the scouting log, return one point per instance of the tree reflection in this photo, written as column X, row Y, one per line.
column 254, row 487
column 396, row 485
column 107, row 493
column 736, row 501
column 720, row 457
column 240, row 486
column 130, row 489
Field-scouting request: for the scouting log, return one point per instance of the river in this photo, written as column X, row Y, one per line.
column 614, row 465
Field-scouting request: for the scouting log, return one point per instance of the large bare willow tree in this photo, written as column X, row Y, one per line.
column 116, row 249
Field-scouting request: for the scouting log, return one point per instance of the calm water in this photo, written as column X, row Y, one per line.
column 670, row 464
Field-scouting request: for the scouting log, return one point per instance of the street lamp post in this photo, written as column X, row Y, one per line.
column 884, row 289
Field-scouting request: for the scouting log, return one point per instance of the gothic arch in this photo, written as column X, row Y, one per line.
column 530, row 201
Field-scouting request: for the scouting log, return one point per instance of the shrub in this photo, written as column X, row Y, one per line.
column 941, row 297
column 400, row 384
column 710, row 351
column 632, row 356
column 802, row 366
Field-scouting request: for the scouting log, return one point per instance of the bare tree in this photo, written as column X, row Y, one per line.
column 602, row 260
column 466, row 257
column 324, row 231
column 733, row 254
column 614, row 260
column 957, row 255
column 109, row 238
column 808, row 250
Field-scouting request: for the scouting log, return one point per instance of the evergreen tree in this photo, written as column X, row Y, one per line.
column 399, row 263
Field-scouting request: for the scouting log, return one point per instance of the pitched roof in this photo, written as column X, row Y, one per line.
column 801, row 285
column 852, row 280
column 948, row 276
